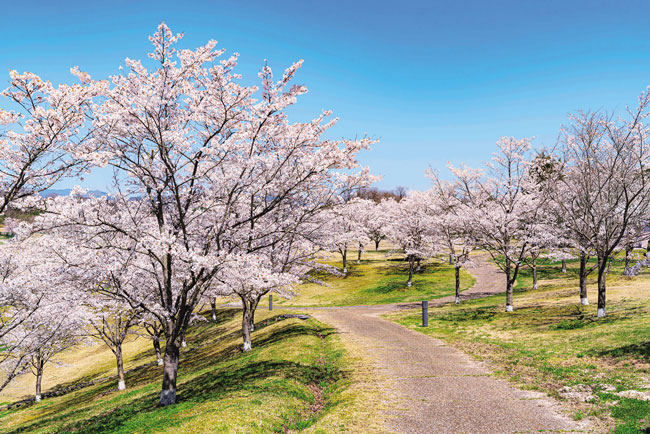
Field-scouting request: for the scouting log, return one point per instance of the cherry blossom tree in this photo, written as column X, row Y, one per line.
column 154, row 331
column 546, row 234
column 112, row 322
column 411, row 227
column 347, row 228
column 501, row 205
column 46, row 136
column 52, row 330
column 30, row 291
column 604, row 187
column 291, row 252
column 375, row 220
column 249, row 279
column 43, row 319
column 454, row 233
column 202, row 167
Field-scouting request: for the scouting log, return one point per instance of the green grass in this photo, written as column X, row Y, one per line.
column 295, row 379
column 379, row 279
column 551, row 341
column 551, row 271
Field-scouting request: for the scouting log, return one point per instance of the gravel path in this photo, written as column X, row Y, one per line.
column 433, row 388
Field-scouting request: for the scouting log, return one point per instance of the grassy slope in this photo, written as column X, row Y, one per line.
column 550, row 341
column 297, row 378
column 379, row 280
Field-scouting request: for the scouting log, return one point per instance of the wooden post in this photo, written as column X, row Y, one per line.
column 425, row 313
column 270, row 301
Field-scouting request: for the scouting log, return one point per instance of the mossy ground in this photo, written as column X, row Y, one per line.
column 550, row 341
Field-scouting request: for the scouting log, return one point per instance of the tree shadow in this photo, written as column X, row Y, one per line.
column 639, row 351
column 208, row 386
column 205, row 332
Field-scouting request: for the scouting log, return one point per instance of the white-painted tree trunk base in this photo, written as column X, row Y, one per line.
column 457, row 301
column 584, row 301
column 601, row 312
column 167, row 397
column 509, row 308
column 418, row 269
column 121, row 385
column 358, row 262
column 534, row 286
column 252, row 327
column 247, row 346
column 345, row 270
column 214, row 317
column 408, row 284
column 183, row 344
column 37, row 398
column 160, row 362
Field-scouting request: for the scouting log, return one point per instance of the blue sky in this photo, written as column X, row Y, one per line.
column 434, row 81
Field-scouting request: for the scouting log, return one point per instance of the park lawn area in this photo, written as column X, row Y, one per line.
column 551, row 273
column 380, row 278
column 551, row 342
column 297, row 378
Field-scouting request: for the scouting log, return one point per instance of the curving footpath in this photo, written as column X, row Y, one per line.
column 433, row 388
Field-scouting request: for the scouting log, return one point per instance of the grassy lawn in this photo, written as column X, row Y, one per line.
column 379, row 279
column 553, row 344
column 297, row 378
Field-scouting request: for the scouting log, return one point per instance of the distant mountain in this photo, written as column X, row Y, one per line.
column 52, row 192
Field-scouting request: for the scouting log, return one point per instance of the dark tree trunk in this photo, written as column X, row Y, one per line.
column 39, row 381
column 254, row 303
column 359, row 253
column 451, row 259
column 213, row 308
column 564, row 265
column 246, row 324
column 411, row 263
column 419, row 268
column 345, row 260
column 510, row 280
column 121, row 385
column 183, row 342
column 602, row 285
column 376, row 245
column 583, row 279
column 509, row 291
column 457, row 272
column 156, row 348
column 170, row 371
column 534, row 266
column 628, row 256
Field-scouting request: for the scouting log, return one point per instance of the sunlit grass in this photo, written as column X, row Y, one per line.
column 551, row 341
column 273, row 388
column 380, row 278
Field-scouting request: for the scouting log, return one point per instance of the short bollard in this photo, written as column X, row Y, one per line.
column 270, row 301
column 425, row 313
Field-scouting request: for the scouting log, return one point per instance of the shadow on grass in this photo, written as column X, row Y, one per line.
column 638, row 351
column 250, row 374
column 474, row 314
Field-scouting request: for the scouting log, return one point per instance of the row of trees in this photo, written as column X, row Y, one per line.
column 215, row 193
column 589, row 197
